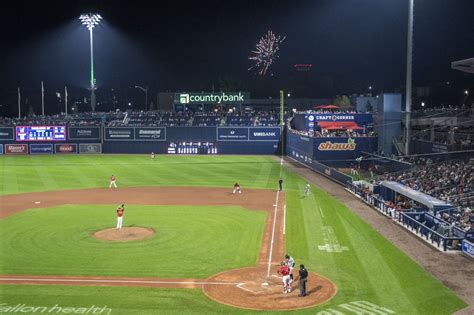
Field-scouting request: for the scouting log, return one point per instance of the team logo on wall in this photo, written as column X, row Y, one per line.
column 184, row 98
column 310, row 117
column 331, row 146
column 334, row 117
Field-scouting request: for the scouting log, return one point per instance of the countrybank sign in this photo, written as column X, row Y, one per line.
column 212, row 98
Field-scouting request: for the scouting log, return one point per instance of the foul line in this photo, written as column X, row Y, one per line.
column 284, row 219
column 321, row 211
column 273, row 234
column 116, row 281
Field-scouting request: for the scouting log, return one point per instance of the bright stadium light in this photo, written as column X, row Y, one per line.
column 90, row 20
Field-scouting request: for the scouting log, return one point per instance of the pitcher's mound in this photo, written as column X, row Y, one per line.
column 125, row 234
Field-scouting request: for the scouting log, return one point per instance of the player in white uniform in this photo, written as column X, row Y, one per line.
column 120, row 211
column 152, row 155
column 112, row 182
column 306, row 189
column 237, row 188
column 291, row 264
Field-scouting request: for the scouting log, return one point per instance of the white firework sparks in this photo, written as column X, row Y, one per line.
column 266, row 52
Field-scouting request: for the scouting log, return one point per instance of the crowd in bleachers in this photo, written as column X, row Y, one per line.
column 329, row 111
column 442, row 111
column 451, row 181
column 460, row 217
column 343, row 133
column 152, row 119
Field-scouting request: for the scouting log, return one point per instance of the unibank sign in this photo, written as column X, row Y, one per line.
column 212, row 98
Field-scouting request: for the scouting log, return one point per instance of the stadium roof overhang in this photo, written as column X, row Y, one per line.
column 466, row 65
column 418, row 196
column 334, row 125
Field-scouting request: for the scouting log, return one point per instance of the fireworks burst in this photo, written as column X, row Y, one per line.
column 266, row 52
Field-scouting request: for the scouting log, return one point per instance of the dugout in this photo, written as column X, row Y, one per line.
column 390, row 190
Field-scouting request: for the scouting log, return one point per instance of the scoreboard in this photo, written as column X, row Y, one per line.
column 40, row 133
column 192, row 148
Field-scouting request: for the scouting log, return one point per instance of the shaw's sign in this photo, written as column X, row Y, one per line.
column 338, row 146
column 211, row 98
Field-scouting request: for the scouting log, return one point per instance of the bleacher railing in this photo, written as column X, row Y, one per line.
column 422, row 230
column 404, row 219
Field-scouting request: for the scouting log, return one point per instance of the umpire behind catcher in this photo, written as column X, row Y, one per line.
column 303, row 273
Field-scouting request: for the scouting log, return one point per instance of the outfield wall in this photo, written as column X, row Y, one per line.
column 301, row 149
column 331, row 151
column 193, row 140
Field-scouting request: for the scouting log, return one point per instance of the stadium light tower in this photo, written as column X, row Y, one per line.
column 409, row 77
column 90, row 20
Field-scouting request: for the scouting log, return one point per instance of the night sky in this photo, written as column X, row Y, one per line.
column 193, row 45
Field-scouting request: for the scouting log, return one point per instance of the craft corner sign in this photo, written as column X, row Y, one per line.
column 212, row 98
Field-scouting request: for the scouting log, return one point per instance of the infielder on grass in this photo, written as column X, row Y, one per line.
column 306, row 189
column 112, row 182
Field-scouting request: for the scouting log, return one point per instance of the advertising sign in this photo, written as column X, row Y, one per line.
column 16, row 149
column 84, row 133
column 232, row 134
column 150, row 134
column 90, row 148
column 212, row 98
column 337, row 145
column 119, row 134
column 65, row 148
column 359, row 119
column 41, row 148
column 1, row 148
column 264, row 134
column 468, row 248
column 40, row 133
column 6, row 133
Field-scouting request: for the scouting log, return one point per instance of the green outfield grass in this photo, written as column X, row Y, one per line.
column 364, row 266
column 21, row 174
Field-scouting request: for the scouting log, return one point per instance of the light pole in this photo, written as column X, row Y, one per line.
column 90, row 20
column 144, row 89
column 408, row 78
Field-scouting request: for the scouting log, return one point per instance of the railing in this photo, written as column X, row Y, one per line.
column 376, row 202
column 404, row 219
column 431, row 235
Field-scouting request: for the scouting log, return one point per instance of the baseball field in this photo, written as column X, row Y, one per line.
column 190, row 246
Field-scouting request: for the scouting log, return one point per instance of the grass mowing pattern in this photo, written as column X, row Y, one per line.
column 21, row 174
column 191, row 241
column 371, row 270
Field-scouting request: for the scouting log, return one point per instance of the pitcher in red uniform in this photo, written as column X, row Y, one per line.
column 120, row 211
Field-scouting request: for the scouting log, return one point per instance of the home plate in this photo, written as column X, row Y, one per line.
column 253, row 287
column 265, row 283
column 37, row 202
